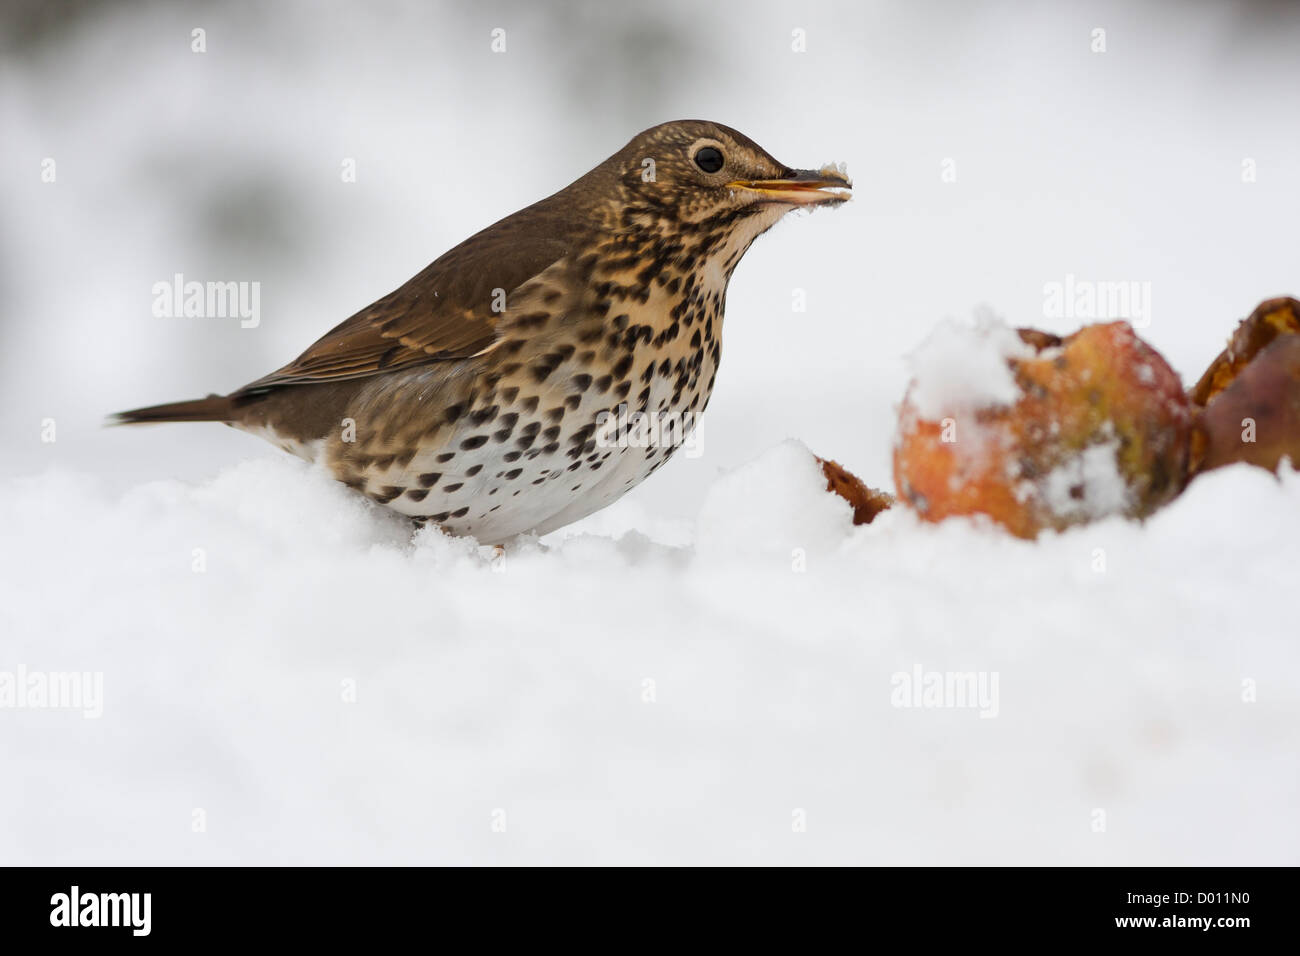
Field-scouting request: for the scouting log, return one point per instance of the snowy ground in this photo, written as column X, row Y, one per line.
column 326, row 690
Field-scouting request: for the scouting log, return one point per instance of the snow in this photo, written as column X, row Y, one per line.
column 1088, row 485
column 962, row 366
column 765, row 508
column 328, row 689
column 839, row 168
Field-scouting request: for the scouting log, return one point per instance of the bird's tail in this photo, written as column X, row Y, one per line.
column 214, row 408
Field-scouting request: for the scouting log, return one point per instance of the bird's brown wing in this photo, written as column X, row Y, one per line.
column 452, row 309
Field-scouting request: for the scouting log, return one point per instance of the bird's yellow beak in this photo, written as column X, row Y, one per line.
column 801, row 187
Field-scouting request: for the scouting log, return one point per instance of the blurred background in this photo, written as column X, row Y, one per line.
column 995, row 148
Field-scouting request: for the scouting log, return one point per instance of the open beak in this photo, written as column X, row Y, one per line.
column 801, row 187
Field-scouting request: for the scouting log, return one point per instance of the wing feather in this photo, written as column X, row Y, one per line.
column 447, row 311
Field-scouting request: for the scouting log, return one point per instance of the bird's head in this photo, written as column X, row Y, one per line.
column 693, row 171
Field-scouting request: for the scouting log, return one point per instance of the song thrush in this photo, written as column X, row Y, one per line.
column 472, row 395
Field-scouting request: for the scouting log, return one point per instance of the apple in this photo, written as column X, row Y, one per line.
column 1248, row 400
column 1037, row 432
column 867, row 502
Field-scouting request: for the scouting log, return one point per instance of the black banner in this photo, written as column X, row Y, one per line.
column 1153, row 906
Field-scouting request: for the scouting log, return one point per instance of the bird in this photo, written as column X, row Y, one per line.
column 478, row 395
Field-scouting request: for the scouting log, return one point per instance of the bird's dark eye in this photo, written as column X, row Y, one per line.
column 708, row 158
